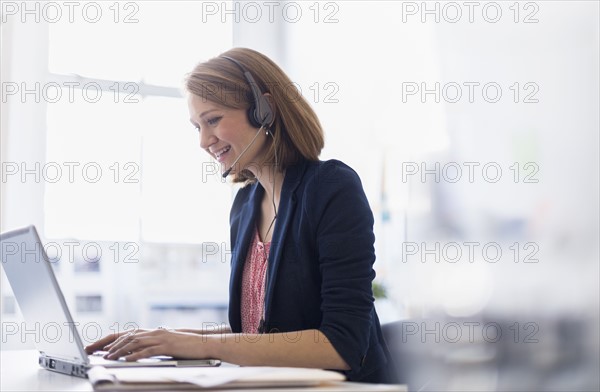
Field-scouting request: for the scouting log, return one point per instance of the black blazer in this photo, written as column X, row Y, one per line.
column 320, row 263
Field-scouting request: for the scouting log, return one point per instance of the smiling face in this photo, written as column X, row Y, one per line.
column 225, row 133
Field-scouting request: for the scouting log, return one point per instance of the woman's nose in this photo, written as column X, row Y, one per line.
column 207, row 139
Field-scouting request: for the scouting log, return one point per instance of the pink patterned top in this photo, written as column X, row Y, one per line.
column 253, row 284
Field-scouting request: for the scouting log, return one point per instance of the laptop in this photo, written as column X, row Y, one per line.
column 43, row 305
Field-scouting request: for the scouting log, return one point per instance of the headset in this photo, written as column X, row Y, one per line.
column 260, row 114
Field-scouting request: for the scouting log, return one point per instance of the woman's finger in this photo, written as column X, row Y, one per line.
column 100, row 344
column 117, row 341
column 121, row 342
column 132, row 345
column 147, row 352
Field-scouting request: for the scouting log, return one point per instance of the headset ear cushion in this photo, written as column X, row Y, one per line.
column 253, row 119
column 260, row 113
column 263, row 111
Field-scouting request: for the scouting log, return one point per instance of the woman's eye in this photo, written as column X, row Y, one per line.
column 213, row 121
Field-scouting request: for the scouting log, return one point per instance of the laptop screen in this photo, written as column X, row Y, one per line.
column 39, row 297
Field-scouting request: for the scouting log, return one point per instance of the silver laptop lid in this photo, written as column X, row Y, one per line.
column 37, row 292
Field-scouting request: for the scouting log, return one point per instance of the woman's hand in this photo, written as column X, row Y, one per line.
column 140, row 344
column 102, row 344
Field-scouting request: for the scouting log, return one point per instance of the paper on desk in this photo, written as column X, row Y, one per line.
column 265, row 376
column 213, row 377
column 221, row 376
column 203, row 377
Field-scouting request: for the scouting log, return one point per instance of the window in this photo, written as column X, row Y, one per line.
column 122, row 161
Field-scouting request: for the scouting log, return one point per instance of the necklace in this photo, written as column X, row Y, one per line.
column 261, row 324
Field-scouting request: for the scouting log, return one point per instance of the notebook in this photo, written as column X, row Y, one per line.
column 43, row 305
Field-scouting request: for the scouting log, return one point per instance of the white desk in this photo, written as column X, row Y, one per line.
column 20, row 372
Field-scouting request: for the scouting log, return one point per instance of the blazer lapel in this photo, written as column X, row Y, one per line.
column 287, row 205
column 238, row 257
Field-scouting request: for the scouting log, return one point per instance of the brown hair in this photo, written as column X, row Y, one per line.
column 296, row 129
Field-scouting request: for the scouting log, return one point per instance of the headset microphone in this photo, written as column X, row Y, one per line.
column 226, row 173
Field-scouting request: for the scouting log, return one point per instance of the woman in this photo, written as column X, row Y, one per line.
column 301, row 234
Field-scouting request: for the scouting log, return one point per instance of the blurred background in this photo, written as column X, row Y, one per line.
column 474, row 127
